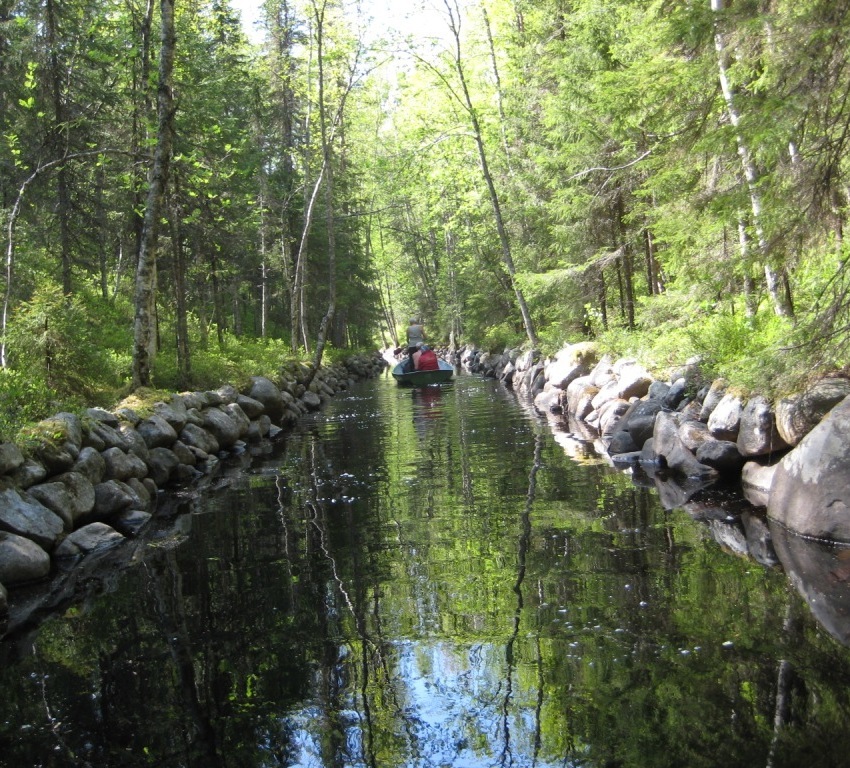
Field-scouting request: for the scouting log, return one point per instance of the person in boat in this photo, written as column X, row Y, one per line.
column 425, row 359
column 415, row 338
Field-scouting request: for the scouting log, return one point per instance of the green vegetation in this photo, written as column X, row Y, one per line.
column 666, row 178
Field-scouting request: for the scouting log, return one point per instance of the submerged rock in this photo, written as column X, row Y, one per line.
column 87, row 539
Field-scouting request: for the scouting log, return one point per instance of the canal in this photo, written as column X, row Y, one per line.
column 426, row 578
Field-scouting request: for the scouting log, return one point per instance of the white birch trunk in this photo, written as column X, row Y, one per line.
column 772, row 279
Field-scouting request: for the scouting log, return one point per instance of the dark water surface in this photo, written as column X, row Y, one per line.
column 425, row 578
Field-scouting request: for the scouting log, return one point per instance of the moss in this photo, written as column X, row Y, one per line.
column 143, row 400
column 47, row 432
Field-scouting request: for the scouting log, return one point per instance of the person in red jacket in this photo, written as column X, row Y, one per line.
column 426, row 359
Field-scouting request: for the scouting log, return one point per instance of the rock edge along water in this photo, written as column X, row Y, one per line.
column 92, row 483
column 687, row 434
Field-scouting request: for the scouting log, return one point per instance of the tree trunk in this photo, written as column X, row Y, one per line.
column 507, row 256
column 498, row 80
column 184, row 361
column 145, row 290
column 141, row 108
column 628, row 265
column 60, row 146
column 751, row 175
column 218, row 314
column 327, row 164
column 103, row 233
column 282, row 25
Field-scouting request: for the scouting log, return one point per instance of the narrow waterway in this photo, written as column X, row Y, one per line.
column 425, row 578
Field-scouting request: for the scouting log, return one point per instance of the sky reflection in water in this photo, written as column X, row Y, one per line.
column 425, row 578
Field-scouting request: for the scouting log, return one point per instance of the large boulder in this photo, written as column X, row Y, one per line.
column 81, row 491
column 135, row 442
column 103, row 416
column 10, row 458
column 756, row 480
column 602, row 372
column 252, row 408
column 163, row 462
column 21, row 560
column 25, row 516
column 610, row 416
column 580, row 394
column 30, row 473
column 102, row 436
column 571, row 362
column 156, row 432
column 56, row 455
column 221, row 426
column 810, row 493
column 548, row 401
column 676, row 394
column 243, row 423
column 641, row 420
column 723, row 455
column 311, row 400
column 120, row 465
column 757, row 434
column 693, row 433
column 633, row 380
column 669, row 446
column 73, row 430
column 114, row 496
column 197, row 437
column 715, row 394
column 266, row 392
column 725, row 420
column 621, row 442
column 56, row 498
column 260, row 428
column 796, row 416
column 90, row 464
column 70, row 496
column 175, row 412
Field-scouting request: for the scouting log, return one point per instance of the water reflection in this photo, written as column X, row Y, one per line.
column 424, row 578
column 427, row 406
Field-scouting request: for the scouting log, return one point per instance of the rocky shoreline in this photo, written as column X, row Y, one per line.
column 84, row 484
column 79, row 501
column 789, row 457
column 771, row 481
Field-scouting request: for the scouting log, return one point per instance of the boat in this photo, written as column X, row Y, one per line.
column 423, row 378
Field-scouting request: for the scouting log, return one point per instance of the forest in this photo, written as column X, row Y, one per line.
column 182, row 206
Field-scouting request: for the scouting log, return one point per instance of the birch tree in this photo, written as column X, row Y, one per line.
column 781, row 304
column 465, row 99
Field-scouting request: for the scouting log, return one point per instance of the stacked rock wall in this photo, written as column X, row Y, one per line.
column 791, row 457
column 91, row 480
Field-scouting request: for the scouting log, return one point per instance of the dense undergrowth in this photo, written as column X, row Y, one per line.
column 71, row 354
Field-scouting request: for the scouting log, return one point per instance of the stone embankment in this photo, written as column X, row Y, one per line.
column 92, row 480
column 791, row 457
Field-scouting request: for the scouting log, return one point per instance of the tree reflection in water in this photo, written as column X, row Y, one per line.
column 426, row 579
